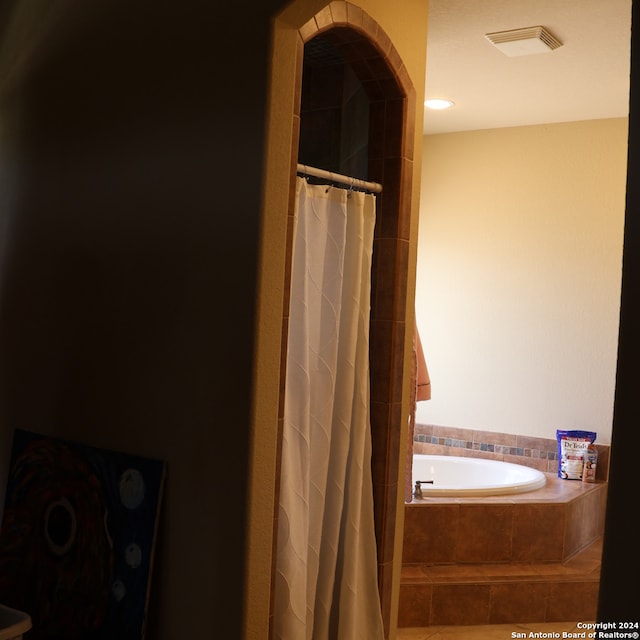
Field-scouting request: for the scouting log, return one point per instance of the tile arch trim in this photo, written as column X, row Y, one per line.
column 339, row 14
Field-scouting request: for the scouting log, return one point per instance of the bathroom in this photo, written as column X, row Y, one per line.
column 567, row 223
column 138, row 206
column 520, row 371
column 531, row 249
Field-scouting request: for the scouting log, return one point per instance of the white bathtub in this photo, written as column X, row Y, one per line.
column 456, row 476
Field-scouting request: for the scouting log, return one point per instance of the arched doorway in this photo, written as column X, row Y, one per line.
column 369, row 52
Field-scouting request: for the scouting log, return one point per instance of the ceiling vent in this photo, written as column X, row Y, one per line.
column 523, row 42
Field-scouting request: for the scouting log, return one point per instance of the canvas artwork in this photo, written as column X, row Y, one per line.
column 77, row 538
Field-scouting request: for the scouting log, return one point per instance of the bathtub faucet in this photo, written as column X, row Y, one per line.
column 417, row 492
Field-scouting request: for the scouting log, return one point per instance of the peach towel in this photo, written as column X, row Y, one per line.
column 423, row 382
column 420, row 390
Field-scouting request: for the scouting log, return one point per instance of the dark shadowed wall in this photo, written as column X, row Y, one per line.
column 131, row 150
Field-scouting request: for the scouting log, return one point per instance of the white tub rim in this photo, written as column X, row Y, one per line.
column 529, row 479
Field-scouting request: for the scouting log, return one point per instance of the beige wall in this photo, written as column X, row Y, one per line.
column 519, row 271
column 406, row 25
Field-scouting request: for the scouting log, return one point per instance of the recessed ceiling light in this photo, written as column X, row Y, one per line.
column 438, row 103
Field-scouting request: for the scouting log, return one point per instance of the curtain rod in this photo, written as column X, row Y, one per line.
column 356, row 183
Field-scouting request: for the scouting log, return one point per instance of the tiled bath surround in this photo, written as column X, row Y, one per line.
column 529, row 557
column 550, row 524
column 539, row 453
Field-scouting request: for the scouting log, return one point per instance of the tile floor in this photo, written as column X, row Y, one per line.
column 484, row 632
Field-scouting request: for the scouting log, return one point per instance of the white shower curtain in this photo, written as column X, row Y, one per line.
column 326, row 565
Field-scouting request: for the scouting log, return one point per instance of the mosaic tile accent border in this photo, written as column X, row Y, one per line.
column 542, row 454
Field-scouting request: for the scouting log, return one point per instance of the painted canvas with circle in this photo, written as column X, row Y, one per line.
column 78, row 537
